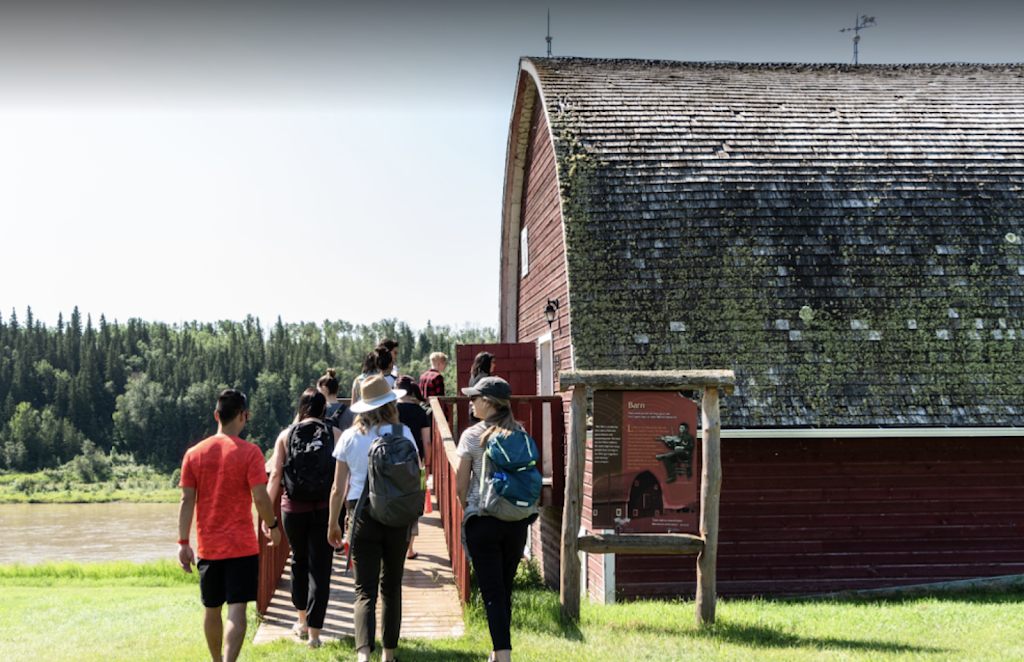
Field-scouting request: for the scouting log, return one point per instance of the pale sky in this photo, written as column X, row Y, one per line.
column 203, row 161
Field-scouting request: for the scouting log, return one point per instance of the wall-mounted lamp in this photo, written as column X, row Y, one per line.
column 551, row 311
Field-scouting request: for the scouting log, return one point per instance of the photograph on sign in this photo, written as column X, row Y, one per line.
column 646, row 462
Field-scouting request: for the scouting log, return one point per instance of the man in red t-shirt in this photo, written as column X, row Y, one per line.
column 221, row 477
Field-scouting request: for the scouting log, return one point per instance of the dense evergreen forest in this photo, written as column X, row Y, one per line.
column 149, row 389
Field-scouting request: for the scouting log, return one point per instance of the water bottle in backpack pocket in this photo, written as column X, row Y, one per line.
column 308, row 465
column 510, row 483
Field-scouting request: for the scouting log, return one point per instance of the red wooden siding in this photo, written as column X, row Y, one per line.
column 546, row 545
column 594, row 568
column 813, row 516
column 515, row 364
column 542, row 218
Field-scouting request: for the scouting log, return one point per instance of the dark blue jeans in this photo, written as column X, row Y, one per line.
column 496, row 548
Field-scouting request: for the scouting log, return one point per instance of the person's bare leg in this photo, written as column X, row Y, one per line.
column 213, row 628
column 387, row 654
column 234, row 632
column 314, row 637
column 503, row 656
column 411, row 553
column 364, row 654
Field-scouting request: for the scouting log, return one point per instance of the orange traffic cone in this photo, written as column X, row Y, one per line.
column 429, row 506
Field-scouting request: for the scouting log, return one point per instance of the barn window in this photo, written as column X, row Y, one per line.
column 524, row 253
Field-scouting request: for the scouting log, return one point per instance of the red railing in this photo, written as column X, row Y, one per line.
column 542, row 416
column 443, row 466
column 272, row 563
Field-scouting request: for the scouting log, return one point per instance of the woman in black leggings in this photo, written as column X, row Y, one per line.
column 495, row 546
column 305, row 524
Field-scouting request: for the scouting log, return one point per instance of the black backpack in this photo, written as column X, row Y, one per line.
column 395, row 491
column 341, row 417
column 308, row 463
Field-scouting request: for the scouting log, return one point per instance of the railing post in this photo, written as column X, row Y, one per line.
column 272, row 563
column 572, row 511
column 710, row 487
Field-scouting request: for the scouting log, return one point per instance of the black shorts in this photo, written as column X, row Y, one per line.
column 228, row 580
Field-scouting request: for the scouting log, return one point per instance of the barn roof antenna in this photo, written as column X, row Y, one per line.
column 548, row 38
column 859, row 24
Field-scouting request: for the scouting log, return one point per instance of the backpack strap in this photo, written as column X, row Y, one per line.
column 396, row 430
column 291, row 429
column 339, row 412
column 483, row 474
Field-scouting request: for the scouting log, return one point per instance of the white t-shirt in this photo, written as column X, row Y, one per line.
column 354, row 450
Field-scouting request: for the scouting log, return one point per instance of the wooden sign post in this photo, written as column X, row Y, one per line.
column 706, row 544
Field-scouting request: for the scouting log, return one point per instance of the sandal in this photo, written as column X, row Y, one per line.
column 300, row 630
column 315, row 643
column 410, row 557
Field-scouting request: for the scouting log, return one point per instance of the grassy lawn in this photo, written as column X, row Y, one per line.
column 151, row 611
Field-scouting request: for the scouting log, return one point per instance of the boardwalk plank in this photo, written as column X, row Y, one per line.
column 430, row 599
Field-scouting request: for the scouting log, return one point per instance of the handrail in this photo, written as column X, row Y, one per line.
column 444, row 465
column 272, row 563
column 445, row 432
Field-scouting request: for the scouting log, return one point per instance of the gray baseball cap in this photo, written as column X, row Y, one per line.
column 496, row 387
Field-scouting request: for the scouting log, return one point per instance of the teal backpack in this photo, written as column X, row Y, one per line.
column 510, row 482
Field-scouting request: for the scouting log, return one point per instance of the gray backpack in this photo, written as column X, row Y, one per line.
column 395, row 491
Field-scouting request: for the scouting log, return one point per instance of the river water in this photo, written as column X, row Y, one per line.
column 87, row 532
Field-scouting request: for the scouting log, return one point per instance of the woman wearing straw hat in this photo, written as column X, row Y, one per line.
column 374, row 545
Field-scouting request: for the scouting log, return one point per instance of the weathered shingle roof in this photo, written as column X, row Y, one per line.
column 848, row 239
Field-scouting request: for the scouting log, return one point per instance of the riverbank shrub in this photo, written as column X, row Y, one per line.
column 113, row 477
column 91, row 465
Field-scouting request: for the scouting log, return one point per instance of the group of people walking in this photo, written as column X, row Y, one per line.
column 328, row 467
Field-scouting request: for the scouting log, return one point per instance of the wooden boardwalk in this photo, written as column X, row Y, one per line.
column 430, row 601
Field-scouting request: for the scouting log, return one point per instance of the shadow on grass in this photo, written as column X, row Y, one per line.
column 761, row 636
column 973, row 596
column 438, row 654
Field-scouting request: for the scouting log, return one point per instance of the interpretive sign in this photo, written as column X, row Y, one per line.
column 646, row 462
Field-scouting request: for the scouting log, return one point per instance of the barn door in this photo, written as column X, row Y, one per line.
column 516, row 364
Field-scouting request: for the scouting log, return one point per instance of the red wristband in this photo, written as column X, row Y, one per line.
column 183, row 542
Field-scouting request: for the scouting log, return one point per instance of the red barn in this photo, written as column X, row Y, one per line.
column 849, row 241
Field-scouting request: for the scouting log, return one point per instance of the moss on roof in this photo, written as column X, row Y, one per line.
column 850, row 240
